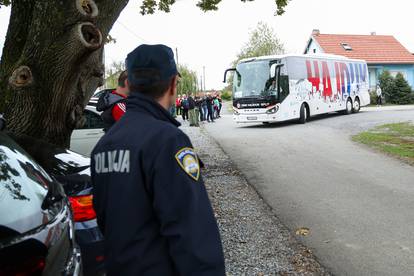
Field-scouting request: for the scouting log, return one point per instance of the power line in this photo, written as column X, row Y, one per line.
column 132, row 32
column 176, row 54
column 204, row 78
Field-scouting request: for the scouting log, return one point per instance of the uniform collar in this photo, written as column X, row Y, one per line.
column 139, row 102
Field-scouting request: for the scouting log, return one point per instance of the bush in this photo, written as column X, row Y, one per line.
column 395, row 90
column 226, row 95
column 387, row 84
column 373, row 97
column 403, row 93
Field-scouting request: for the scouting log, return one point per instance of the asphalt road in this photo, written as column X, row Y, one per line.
column 358, row 203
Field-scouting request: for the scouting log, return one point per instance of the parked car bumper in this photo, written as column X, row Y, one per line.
column 91, row 242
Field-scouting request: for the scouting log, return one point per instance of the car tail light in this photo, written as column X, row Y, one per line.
column 82, row 208
column 32, row 266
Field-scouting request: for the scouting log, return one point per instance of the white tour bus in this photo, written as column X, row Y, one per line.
column 287, row 87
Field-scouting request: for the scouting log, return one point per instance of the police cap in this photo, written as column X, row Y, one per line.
column 149, row 64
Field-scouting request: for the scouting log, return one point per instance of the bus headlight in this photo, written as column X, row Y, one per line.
column 272, row 110
column 235, row 111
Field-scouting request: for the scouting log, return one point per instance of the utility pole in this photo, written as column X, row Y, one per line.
column 176, row 54
column 204, row 78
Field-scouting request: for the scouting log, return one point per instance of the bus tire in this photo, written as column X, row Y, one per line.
column 303, row 114
column 348, row 107
column 357, row 106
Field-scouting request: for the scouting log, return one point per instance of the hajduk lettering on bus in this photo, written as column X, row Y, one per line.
column 348, row 77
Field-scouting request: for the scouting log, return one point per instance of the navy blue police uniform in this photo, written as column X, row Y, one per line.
column 149, row 195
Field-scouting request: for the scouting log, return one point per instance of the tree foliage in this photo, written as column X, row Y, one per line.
column 403, row 93
column 188, row 81
column 262, row 41
column 150, row 6
column 226, row 95
column 5, row 3
column 387, row 84
column 112, row 73
column 396, row 90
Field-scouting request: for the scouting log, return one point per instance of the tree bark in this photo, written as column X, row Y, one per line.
column 52, row 63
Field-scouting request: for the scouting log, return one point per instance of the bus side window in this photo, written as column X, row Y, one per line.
column 238, row 78
column 283, row 87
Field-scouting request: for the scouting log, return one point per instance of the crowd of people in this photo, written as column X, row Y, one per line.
column 203, row 107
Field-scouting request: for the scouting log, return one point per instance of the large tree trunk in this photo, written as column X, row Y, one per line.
column 52, row 63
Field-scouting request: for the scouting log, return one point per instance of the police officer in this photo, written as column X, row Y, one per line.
column 149, row 196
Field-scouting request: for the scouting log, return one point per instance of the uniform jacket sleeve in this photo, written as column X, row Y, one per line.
column 97, row 205
column 186, row 217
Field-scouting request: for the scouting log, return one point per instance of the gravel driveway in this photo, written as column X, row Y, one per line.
column 255, row 242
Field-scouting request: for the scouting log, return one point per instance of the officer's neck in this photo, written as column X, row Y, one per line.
column 168, row 99
column 165, row 101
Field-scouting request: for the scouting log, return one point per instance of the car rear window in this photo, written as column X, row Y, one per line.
column 56, row 161
column 23, row 186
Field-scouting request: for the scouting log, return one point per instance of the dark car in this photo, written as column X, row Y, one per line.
column 36, row 227
column 72, row 171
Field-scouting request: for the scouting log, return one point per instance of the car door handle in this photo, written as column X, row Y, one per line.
column 94, row 133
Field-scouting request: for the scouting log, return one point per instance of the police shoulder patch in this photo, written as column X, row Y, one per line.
column 188, row 161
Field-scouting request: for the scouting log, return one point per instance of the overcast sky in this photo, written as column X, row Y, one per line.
column 213, row 39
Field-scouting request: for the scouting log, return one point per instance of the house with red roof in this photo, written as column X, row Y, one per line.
column 381, row 52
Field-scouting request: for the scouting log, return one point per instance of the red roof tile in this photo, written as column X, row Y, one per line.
column 375, row 49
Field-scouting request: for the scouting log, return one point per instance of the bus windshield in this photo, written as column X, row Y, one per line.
column 252, row 79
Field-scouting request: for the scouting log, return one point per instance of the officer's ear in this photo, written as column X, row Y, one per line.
column 127, row 85
column 173, row 85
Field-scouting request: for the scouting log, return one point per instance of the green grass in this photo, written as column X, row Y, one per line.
column 373, row 104
column 394, row 139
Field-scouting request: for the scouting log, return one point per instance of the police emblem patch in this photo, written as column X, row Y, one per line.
column 188, row 161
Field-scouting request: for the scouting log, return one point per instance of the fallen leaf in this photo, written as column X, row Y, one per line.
column 303, row 231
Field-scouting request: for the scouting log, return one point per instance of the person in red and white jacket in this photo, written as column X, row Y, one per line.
column 112, row 103
column 122, row 90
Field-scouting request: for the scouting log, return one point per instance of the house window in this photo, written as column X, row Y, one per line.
column 395, row 72
column 346, row 46
column 373, row 78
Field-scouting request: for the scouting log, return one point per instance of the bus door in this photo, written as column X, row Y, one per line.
column 280, row 80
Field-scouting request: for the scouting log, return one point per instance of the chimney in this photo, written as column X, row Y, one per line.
column 316, row 32
column 373, row 33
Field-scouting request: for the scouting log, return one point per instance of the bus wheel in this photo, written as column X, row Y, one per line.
column 357, row 106
column 303, row 114
column 349, row 107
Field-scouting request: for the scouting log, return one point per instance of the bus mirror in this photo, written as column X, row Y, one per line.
column 225, row 73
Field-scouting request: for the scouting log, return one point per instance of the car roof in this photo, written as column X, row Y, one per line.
column 92, row 109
